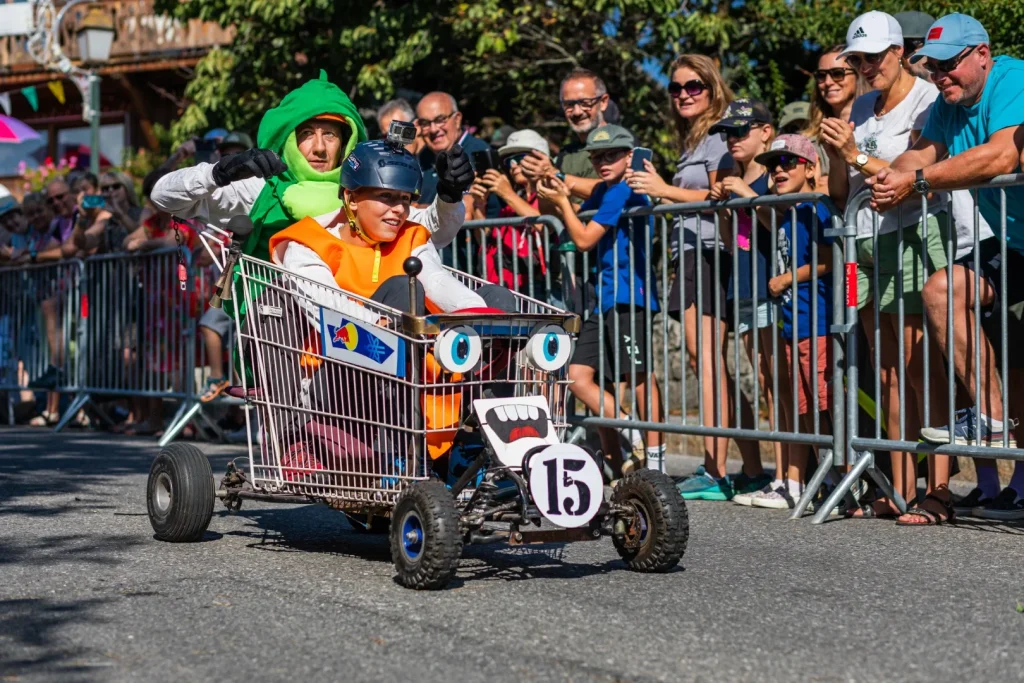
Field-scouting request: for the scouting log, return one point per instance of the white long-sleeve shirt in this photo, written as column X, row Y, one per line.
column 440, row 286
column 192, row 193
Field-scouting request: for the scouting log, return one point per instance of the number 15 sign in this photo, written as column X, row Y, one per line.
column 566, row 485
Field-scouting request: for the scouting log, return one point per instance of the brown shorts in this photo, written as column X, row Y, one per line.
column 804, row 384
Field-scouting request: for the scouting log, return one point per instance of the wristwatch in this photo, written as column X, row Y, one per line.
column 921, row 185
column 861, row 160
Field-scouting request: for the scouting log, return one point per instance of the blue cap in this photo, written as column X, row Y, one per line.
column 949, row 36
column 377, row 164
column 216, row 134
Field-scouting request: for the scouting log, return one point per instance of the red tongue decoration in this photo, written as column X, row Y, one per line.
column 523, row 432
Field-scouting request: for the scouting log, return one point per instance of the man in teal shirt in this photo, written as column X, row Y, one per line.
column 975, row 131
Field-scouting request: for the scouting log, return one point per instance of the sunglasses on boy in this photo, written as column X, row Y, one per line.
column 946, row 66
column 741, row 131
column 869, row 58
column 787, row 162
column 691, row 88
column 508, row 161
column 837, row 74
column 608, row 156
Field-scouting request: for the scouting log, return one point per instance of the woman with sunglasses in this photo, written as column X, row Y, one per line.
column 836, row 86
column 883, row 124
column 700, row 97
column 518, row 192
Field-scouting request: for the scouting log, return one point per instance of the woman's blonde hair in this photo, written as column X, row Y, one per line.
column 691, row 132
column 819, row 107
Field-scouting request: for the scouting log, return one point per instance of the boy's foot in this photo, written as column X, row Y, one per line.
column 1006, row 507
column 747, row 499
column 975, row 499
column 742, row 484
column 779, row 499
column 969, row 431
column 702, row 486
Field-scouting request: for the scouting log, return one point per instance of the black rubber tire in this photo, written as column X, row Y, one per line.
column 435, row 565
column 180, row 494
column 378, row 525
column 668, row 524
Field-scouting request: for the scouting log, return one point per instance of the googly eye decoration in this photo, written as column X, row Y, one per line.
column 549, row 348
column 458, row 349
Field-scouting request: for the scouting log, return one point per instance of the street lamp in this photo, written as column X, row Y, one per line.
column 95, row 34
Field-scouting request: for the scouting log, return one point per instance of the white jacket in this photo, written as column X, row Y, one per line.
column 192, row 193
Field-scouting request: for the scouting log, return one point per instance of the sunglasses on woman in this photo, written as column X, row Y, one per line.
column 869, row 58
column 516, row 159
column 837, row 74
column 106, row 189
column 934, row 66
column 787, row 162
column 691, row 88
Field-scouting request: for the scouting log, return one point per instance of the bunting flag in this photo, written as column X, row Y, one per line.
column 31, row 96
column 57, row 88
column 5, row 102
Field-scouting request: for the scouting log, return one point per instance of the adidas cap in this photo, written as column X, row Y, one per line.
column 872, row 32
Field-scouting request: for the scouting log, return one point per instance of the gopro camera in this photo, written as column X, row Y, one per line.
column 400, row 134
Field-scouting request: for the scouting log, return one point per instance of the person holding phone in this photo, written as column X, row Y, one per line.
column 91, row 218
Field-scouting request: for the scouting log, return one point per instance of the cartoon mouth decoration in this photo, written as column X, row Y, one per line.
column 513, row 422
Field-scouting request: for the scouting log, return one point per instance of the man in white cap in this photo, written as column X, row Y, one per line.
column 975, row 131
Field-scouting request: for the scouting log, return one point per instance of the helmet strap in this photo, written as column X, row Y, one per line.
column 375, row 276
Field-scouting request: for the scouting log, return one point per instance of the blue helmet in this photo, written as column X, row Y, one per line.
column 378, row 164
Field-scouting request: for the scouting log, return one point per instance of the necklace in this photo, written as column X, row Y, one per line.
column 901, row 94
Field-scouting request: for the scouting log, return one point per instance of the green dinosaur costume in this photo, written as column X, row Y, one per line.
column 300, row 191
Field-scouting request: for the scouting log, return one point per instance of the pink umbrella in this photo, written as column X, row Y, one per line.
column 15, row 131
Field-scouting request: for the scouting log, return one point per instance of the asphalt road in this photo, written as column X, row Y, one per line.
column 291, row 593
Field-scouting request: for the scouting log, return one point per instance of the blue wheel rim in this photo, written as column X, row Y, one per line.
column 644, row 524
column 412, row 537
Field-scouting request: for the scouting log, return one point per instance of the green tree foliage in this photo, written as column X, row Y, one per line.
column 506, row 58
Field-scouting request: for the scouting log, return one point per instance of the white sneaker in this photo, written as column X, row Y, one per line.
column 779, row 499
column 747, row 499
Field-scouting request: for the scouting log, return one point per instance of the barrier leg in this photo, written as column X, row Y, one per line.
column 185, row 413
column 824, row 466
column 865, row 461
column 886, row 487
column 80, row 402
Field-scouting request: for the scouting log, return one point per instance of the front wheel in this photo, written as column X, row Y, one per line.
column 426, row 538
column 654, row 540
column 180, row 494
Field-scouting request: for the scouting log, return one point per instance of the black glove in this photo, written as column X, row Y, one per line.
column 454, row 174
column 252, row 163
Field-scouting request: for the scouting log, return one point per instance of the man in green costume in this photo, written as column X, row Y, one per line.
column 295, row 172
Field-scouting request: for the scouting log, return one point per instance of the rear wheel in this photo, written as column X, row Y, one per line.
column 654, row 540
column 426, row 538
column 180, row 494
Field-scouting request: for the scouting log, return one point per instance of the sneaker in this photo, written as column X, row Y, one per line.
column 742, row 484
column 779, row 499
column 747, row 499
column 1007, row 506
column 975, row 499
column 966, row 431
column 635, row 460
column 702, row 486
column 297, row 462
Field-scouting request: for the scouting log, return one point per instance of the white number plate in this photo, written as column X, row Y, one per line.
column 566, row 485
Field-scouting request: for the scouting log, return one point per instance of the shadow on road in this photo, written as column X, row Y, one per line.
column 30, row 631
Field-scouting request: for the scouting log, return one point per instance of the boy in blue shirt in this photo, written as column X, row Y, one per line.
column 613, row 235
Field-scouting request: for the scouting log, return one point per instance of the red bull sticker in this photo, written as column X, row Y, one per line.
column 360, row 343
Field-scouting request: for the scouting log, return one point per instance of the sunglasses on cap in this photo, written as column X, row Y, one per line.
column 785, row 161
column 837, row 74
column 691, row 88
column 869, row 58
column 513, row 159
column 741, row 131
column 945, row 66
column 608, row 156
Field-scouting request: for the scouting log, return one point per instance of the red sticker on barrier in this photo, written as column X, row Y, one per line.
column 851, row 285
column 84, row 305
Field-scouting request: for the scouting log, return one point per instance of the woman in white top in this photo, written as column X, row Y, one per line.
column 883, row 124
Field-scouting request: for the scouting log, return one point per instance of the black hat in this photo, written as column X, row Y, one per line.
column 742, row 112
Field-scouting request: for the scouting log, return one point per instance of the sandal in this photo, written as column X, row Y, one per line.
column 215, row 386
column 44, row 419
column 931, row 518
column 868, row 511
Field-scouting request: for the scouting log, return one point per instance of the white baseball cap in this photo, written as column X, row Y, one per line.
column 523, row 142
column 872, row 32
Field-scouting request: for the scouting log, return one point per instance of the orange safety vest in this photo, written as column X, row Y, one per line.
column 357, row 269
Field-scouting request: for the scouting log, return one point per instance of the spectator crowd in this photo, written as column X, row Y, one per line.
column 908, row 109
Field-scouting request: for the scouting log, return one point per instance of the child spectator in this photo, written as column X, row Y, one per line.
column 518, row 244
column 610, row 148
column 791, row 161
column 748, row 131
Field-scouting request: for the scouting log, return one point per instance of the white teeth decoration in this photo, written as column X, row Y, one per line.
column 500, row 412
column 534, row 413
column 524, row 411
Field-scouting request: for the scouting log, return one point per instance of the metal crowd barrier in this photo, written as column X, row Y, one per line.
column 976, row 375
column 40, row 330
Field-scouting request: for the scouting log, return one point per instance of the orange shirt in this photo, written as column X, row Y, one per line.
column 353, row 265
